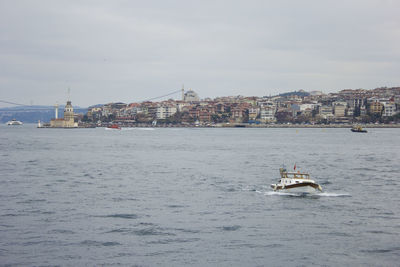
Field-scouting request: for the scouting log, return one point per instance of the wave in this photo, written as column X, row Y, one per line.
column 152, row 231
column 176, row 206
column 328, row 194
column 388, row 250
column 122, row 216
column 174, row 240
column 230, row 228
column 129, row 129
column 99, row 243
column 322, row 194
column 273, row 193
column 145, row 129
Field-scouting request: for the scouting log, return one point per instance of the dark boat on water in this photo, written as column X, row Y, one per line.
column 358, row 129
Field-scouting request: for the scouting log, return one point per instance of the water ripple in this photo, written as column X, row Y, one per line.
column 120, row 216
column 99, row 243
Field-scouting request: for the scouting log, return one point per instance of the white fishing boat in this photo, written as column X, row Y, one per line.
column 14, row 122
column 295, row 182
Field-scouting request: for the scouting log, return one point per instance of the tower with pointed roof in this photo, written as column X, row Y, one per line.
column 68, row 115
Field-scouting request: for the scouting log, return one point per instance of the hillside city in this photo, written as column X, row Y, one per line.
column 380, row 105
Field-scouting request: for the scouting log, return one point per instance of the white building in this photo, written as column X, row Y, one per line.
column 165, row 111
column 267, row 114
column 389, row 109
column 326, row 112
column 106, row 110
column 304, row 107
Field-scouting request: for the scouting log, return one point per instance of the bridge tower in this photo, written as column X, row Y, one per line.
column 56, row 110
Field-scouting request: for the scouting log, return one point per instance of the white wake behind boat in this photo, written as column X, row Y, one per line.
column 14, row 122
column 295, row 182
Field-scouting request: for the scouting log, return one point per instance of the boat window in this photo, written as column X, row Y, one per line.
column 297, row 182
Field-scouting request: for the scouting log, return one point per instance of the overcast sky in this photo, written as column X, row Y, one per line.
column 129, row 51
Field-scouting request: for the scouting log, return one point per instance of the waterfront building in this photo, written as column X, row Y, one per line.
column 68, row 120
column 193, row 111
column 363, row 111
column 325, row 112
column 204, row 114
column 375, row 106
column 106, row 110
column 350, row 112
column 283, row 108
column 389, row 109
column 94, row 113
column 152, row 111
column 307, row 106
column 267, row 114
column 356, row 102
column 253, row 113
column 339, row 109
column 220, row 107
column 237, row 114
column 165, row 111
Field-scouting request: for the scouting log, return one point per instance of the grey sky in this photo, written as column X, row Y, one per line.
column 133, row 50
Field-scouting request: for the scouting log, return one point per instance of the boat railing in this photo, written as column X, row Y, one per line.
column 296, row 175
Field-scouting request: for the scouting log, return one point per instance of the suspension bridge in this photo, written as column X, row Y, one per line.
column 38, row 107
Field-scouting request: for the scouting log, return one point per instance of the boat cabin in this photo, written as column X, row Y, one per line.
column 294, row 175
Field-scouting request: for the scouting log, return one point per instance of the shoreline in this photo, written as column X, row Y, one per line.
column 241, row 125
column 235, row 125
column 316, row 126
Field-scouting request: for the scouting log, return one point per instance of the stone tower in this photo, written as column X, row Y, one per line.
column 68, row 115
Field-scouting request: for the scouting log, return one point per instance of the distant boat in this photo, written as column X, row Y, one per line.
column 14, row 122
column 295, row 182
column 358, row 129
column 114, row 126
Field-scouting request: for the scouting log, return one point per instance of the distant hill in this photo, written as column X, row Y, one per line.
column 300, row 93
column 31, row 114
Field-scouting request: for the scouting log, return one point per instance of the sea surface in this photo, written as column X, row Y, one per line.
column 197, row 197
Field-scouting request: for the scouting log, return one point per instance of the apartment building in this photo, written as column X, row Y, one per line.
column 165, row 111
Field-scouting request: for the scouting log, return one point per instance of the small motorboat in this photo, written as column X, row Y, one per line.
column 114, row 126
column 358, row 129
column 295, row 182
column 14, row 122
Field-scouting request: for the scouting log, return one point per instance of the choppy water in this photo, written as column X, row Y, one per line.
column 176, row 197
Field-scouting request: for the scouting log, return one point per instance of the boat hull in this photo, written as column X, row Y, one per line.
column 298, row 188
column 14, row 123
column 358, row 131
column 114, row 126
